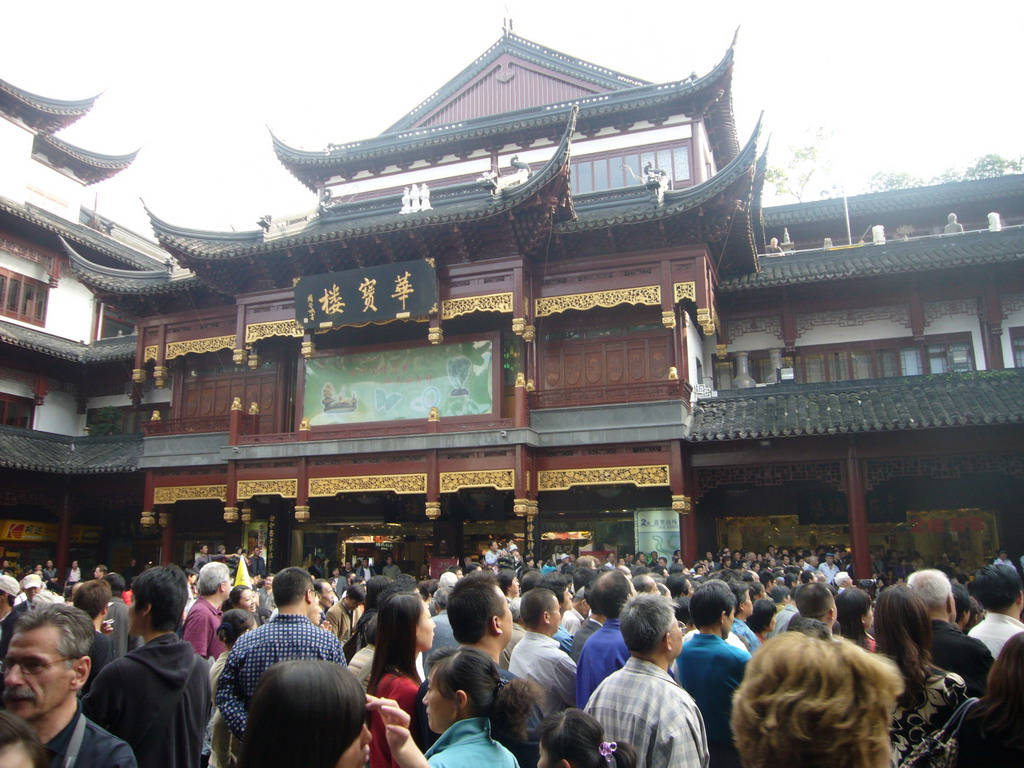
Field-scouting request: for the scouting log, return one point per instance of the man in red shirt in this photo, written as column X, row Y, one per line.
column 205, row 615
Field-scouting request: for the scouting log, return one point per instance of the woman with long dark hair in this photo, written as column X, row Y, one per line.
column 466, row 702
column 903, row 632
column 992, row 733
column 19, row 744
column 375, row 585
column 404, row 628
column 578, row 739
column 855, row 616
column 306, row 713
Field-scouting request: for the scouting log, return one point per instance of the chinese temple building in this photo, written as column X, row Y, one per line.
column 545, row 305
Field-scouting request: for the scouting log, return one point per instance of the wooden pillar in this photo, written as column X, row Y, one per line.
column 522, row 414
column 166, row 538
column 856, row 501
column 64, row 515
column 992, row 328
column 685, row 504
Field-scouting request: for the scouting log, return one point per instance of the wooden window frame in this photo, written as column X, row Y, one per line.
column 21, row 309
column 6, row 401
column 684, row 145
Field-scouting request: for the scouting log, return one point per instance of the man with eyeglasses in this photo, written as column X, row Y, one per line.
column 46, row 666
column 204, row 616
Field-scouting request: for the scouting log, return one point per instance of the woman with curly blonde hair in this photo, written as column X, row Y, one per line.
column 816, row 704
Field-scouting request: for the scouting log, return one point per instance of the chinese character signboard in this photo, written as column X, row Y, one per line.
column 390, row 384
column 374, row 294
column 26, row 530
column 657, row 530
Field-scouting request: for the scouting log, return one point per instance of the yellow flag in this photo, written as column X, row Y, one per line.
column 242, row 575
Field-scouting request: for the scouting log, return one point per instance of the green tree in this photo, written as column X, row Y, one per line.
column 807, row 163
column 886, row 181
column 985, row 167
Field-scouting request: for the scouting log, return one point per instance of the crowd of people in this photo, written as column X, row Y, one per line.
column 740, row 659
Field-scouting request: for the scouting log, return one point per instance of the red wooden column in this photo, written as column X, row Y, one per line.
column 686, row 506
column 166, row 538
column 64, row 516
column 856, row 500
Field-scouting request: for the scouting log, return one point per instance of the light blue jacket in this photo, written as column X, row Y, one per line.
column 468, row 744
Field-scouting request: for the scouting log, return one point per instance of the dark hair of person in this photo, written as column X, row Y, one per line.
column 903, row 632
column 761, row 617
column 1002, row 707
column 996, row 587
column 507, row 704
column 528, row 580
column 740, row 591
column 356, row 593
column 92, row 597
column 813, row 600
column 16, row 732
column 234, row 623
column 961, row 599
column 533, row 605
column 319, row 584
column 395, row 652
column 374, row 586
column 116, row 582
column 583, row 577
column 609, row 594
column 426, row 588
column 370, row 630
column 779, row 594
column 165, row 590
column 852, row 605
column 304, row 712
column 807, row 577
column 576, row 737
column 505, row 579
column 291, row 585
column 235, row 595
column 472, row 603
column 709, row 601
column 810, row 627
column 682, row 608
column 677, row 584
column 403, row 585
column 556, row 584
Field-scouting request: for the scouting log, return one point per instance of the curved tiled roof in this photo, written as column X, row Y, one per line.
column 945, row 195
column 61, row 454
column 120, row 348
column 41, row 113
column 451, row 205
column 127, row 281
column 880, row 405
column 90, row 167
column 940, row 252
column 711, row 92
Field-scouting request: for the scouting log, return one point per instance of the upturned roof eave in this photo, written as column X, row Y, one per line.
column 92, row 167
column 125, row 281
column 61, row 113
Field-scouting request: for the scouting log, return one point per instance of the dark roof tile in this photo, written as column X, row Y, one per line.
column 61, row 454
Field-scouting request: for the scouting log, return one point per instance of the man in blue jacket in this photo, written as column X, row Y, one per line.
column 605, row 651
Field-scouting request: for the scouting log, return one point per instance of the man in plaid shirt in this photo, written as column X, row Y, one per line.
column 641, row 703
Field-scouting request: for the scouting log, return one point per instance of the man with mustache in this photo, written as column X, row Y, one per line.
column 46, row 666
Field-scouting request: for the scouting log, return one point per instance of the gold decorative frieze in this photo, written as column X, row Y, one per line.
column 682, row 291
column 707, row 320
column 199, row 346
column 492, row 302
column 230, row 514
column 649, row 295
column 330, row 486
column 239, row 356
column 149, row 353
column 564, row 479
column 259, row 331
column 174, row 493
column 668, row 319
column 682, row 504
column 500, row 479
column 286, row 488
column 160, row 376
column 520, row 507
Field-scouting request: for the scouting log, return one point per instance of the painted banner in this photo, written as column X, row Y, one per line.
column 389, row 385
column 370, row 295
column 657, row 530
column 25, row 530
column 254, row 534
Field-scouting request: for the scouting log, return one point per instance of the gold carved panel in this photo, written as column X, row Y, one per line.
column 259, row 331
column 501, row 479
column 198, row 346
column 149, row 353
column 564, row 479
column 493, row 302
column 285, row 488
column 682, row 291
column 174, row 493
column 552, row 305
column 330, row 486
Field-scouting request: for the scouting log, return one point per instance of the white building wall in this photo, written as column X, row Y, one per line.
column 15, row 155
column 53, row 191
column 57, row 414
column 16, row 388
column 1013, row 306
column 844, row 326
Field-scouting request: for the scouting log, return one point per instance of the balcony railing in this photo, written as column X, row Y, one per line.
column 625, row 393
column 186, row 426
column 393, row 429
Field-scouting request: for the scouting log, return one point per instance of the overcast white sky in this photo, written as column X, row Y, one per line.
column 906, row 85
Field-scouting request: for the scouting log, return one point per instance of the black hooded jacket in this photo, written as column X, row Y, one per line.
column 126, row 698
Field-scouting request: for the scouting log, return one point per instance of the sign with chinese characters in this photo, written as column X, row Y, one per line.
column 359, row 296
column 390, row 384
column 656, row 530
column 26, row 530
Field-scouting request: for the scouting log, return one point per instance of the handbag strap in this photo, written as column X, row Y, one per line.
column 167, row 706
column 75, row 745
column 952, row 727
